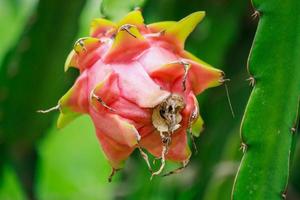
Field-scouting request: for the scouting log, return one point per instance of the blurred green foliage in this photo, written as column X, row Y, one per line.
column 13, row 16
column 10, row 186
column 80, row 169
column 69, row 164
column 116, row 9
column 27, row 83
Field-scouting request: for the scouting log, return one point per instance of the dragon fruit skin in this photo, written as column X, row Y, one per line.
column 138, row 85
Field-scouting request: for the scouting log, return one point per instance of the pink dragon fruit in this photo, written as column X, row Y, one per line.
column 138, row 84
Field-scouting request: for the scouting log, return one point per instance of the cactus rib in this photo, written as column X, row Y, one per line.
column 266, row 130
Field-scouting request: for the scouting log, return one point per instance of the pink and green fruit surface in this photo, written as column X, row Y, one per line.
column 139, row 86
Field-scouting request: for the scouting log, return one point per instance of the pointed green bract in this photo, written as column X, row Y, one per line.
column 84, row 44
column 71, row 61
column 128, row 41
column 197, row 127
column 80, row 49
column 101, row 26
column 132, row 18
column 161, row 26
column 65, row 117
column 190, row 56
column 182, row 29
column 73, row 103
column 66, row 113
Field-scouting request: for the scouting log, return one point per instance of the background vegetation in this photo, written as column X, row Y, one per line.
column 37, row 161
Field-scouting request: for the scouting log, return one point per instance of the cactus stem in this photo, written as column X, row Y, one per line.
column 255, row 15
column 293, row 130
column 265, row 168
column 251, row 80
column 57, row 107
column 297, row 120
column 244, row 147
column 283, row 195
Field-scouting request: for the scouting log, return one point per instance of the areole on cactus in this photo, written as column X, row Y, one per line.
column 139, row 86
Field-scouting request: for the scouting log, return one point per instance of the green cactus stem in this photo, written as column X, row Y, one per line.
column 269, row 123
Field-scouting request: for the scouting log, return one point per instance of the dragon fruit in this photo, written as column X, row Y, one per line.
column 138, row 85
